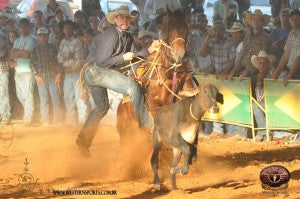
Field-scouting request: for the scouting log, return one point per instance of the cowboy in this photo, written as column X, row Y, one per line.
column 262, row 63
column 108, row 52
column 256, row 40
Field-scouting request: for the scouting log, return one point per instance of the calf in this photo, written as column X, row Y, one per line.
column 176, row 125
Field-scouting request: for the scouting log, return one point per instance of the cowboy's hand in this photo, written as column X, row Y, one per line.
column 275, row 75
column 242, row 76
column 68, row 70
column 285, row 81
column 230, row 77
column 128, row 56
column 39, row 79
column 58, row 79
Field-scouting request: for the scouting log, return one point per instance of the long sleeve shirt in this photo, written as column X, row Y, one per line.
column 43, row 61
column 107, row 49
column 66, row 47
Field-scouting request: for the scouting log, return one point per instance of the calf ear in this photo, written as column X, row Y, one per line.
column 190, row 93
column 220, row 98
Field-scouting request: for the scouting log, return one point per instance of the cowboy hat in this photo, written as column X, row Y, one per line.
column 122, row 10
column 266, row 18
column 237, row 26
column 262, row 54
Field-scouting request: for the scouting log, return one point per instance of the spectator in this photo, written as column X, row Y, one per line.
column 144, row 18
column 11, row 24
column 52, row 8
column 59, row 15
column 243, row 6
column 238, row 32
column 47, row 73
column 262, row 62
column 255, row 41
column 38, row 21
column 68, row 56
column 4, row 79
column 290, row 60
column 222, row 50
column 89, row 7
column 225, row 10
column 55, row 36
column 295, row 4
column 21, row 51
column 156, row 8
column 3, row 21
column 79, row 19
column 245, row 22
column 104, row 25
column 280, row 35
column 94, row 24
column 196, row 39
column 277, row 5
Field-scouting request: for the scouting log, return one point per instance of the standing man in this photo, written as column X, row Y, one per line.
column 68, row 56
column 21, row 51
column 47, row 73
column 109, row 51
column 4, row 77
column 225, row 10
column 51, row 8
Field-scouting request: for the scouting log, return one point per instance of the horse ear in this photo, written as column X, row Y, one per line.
column 190, row 93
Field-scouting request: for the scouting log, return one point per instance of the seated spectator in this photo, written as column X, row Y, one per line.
column 47, row 73
column 280, row 35
column 196, row 39
column 288, row 67
column 225, row 10
column 104, row 25
column 255, row 41
column 59, row 15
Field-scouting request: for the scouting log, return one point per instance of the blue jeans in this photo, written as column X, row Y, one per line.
column 98, row 80
column 49, row 87
column 24, row 90
column 231, row 129
column 4, row 97
column 260, row 118
column 72, row 98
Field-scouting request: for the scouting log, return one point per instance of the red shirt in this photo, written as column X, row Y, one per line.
column 4, row 3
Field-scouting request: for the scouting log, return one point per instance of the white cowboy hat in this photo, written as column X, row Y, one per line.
column 237, row 26
column 266, row 18
column 254, row 58
column 122, row 10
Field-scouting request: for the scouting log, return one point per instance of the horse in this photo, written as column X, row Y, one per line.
column 164, row 75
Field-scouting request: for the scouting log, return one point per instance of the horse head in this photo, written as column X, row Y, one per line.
column 174, row 34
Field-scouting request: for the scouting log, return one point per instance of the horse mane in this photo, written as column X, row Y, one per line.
column 176, row 21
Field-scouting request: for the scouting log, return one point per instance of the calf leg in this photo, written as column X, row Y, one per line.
column 193, row 147
column 176, row 158
column 185, row 148
column 154, row 159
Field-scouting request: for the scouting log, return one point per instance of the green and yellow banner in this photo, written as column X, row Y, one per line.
column 282, row 104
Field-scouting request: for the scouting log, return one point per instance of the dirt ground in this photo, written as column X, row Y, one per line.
column 224, row 169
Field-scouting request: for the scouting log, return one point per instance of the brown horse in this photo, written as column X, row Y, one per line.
column 164, row 75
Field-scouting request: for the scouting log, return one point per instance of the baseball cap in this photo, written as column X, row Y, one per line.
column 42, row 31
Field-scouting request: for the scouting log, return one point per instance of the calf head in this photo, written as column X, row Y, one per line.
column 207, row 96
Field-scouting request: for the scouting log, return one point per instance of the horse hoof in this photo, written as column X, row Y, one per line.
column 157, row 186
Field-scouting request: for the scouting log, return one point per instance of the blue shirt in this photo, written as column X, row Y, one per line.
column 26, row 43
column 277, row 35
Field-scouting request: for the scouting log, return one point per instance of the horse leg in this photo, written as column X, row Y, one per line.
column 154, row 159
column 176, row 158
